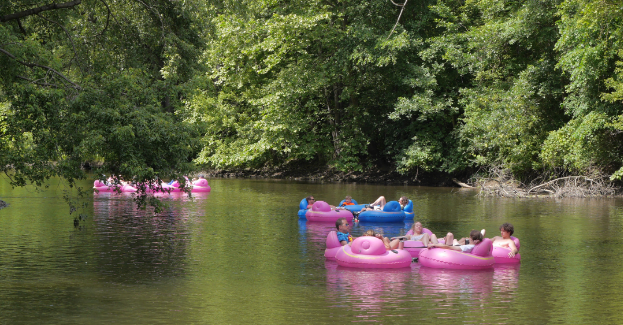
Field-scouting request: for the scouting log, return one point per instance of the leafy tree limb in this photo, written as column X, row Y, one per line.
column 34, row 11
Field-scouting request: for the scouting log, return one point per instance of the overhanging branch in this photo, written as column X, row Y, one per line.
column 398, row 20
column 66, row 33
column 34, row 11
column 32, row 65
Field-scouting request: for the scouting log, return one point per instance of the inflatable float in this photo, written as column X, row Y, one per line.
column 102, row 187
column 415, row 246
column 391, row 213
column 303, row 208
column 356, row 207
column 440, row 258
column 321, row 211
column 409, row 214
column 370, row 252
column 200, row 185
column 333, row 245
column 500, row 254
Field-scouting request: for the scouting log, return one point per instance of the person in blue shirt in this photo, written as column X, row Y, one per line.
column 343, row 231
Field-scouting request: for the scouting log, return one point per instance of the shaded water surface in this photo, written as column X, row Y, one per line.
column 240, row 254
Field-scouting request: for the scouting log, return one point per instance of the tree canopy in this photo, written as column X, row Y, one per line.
column 153, row 88
column 93, row 81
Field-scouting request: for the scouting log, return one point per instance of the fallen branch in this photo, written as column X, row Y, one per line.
column 558, row 179
column 461, row 184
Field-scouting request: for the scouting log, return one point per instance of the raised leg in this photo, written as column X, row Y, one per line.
column 394, row 243
column 380, row 201
column 449, row 239
column 388, row 245
column 426, row 239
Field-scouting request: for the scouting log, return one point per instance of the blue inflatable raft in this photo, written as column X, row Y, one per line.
column 303, row 208
column 391, row 212
column 352, row 208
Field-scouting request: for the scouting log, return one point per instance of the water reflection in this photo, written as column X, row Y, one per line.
column 367, row 289
column 228, row 258
column 455, row 284
column 137, row 246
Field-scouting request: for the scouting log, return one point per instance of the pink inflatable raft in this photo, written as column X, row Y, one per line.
column 500, row 254
column 200, row 185
column 333, row 245
column 369, row 252
column 440, row 258
column 321, row 211
column 415, row 246
column 101, row 187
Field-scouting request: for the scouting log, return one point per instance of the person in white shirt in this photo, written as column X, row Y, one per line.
column 464, row 244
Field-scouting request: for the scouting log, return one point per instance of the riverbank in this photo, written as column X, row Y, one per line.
column 495, row 182
column 325, row 174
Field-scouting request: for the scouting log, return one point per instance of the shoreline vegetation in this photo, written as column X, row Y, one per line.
column 495, row 181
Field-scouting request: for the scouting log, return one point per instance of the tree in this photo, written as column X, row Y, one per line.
column 302, row 81
column 590, row 34
column 93, row 81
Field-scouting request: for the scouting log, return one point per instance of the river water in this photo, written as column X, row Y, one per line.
column 240, row 255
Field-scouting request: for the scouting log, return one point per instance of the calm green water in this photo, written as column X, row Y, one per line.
column 240, row 255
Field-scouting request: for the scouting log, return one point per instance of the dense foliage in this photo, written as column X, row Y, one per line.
column 151, row 87
column 95, row 81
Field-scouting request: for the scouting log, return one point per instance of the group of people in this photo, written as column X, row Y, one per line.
column 113, row 180
column 465, row 244
column 187, row 180
column 378, row 204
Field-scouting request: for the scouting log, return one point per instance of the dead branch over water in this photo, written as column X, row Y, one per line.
column 500, row 182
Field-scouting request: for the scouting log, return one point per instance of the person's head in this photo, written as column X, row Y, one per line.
column 475, row 235
column 508, row 228
column 348, row 198
column 201, row 176
column 310, row 199
column 342, row 225
column 417, row 228
column 403, row 201
column 369, row 233
column 373, row 233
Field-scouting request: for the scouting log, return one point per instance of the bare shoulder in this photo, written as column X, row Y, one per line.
column 501, row 241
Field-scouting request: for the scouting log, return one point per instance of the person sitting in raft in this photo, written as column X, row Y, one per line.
column 463, row 245
column 196, row 178
column 506, row 230
column 311, row 201
column 380, row 203
column 385, row 240
column 418, row 234
column 115, row 180
column 343, row 228
column 185, row 177
column 348, row 200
